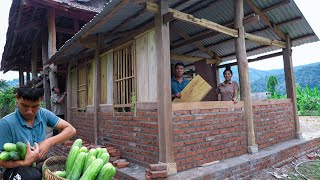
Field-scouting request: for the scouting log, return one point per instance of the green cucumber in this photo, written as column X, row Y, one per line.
column 73, row 153
column 4, row 156
column 107, row 172
column 10, row 147
column 62, row 174
column 21, row 149
column 83, row 149
column 105, row 157
column 14, row 155
column 77, row 167
column 78, row 143
column 93, row 170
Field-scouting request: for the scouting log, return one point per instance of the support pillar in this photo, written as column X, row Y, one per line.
column 207, row 72
column 46, row 84
column 28, row 75
column 290, row 84
column 97, row 89
column 52, row 46
column 245, row 90
column 166, row 149
column 21, row 77
column 34, row 63
column 69, row 93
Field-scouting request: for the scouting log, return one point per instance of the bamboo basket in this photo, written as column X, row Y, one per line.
column 55, row 163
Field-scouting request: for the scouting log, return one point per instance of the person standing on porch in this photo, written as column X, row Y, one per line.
column 57, row 105
column 178, row 82
column 228, row 89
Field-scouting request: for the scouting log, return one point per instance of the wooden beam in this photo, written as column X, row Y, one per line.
column 275, row 6
column 97, row 88
column 21, row 77
column 106, row 18
column 289, row 21
column 46, row 85
column 34, row 61
column 275, row 28
column 255, row 59
column 52, row 46
column 290, row 84
column 243, row 70
column 216, row 27
column 209, row 33
column 180, row 57
column 166, row 141
column 197, row 44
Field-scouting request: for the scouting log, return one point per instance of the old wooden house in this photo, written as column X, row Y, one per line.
column 118, row 73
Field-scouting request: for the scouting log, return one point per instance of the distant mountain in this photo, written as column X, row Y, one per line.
column 14, row 82
column 304, row 75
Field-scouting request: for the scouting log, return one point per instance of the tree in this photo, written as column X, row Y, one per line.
column 7, row 98
column 271, row 85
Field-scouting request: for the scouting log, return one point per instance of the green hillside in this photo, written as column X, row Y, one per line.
column 304, row 75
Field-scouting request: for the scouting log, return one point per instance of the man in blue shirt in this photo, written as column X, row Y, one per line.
column 28, row 124
column 178, row 82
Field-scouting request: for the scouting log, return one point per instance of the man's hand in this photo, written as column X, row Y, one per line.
column 33, row 154
column 44, row 148
column 178, row 95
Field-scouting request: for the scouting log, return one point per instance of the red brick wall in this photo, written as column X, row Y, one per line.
column 273, row 121
column 83, row 122
column 202, row 136
column 135, row 136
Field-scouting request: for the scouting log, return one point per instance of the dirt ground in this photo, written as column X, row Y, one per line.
column 310, row 127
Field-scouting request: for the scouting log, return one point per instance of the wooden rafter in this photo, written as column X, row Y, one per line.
column 214, row 26
column 197, row 44
column 116, row 9
column 282, row 3
column 275, row 28
column 255, row 59
column 180, row 57
column 209, row 33
column 289, row 21
column 126, row 21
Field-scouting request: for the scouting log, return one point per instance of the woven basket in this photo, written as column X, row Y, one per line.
column 55, row 163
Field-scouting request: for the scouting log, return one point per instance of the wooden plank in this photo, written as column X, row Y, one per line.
column 265, row 41
column 110, row 85
column 104, row 77
column 290, row 84
column 195, row 91
column 142, row 68
column 184, row 106
column 91, row 73
column 152, row 67
column 147, row 106
column 245, row 90
column 74, row 87
column 106, row 18
column 180, row 57
column 207, row 72
column 166, row 141
column 69, row 93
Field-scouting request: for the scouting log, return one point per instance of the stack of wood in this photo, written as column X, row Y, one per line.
column 157, row 171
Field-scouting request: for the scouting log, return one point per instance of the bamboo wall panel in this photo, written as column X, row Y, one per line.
column 195, row 91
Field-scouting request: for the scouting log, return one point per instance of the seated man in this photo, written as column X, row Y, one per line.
column 178, row 82
column 28, row 124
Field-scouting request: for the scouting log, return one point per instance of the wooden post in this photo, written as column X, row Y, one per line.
column 21, row 77
column 28, row 75
column 97, row 88
column 216, row 76
column 34, row 62
column 165, row 124
column 208, row 74
column 46, row 85
column 69, row 92
column 245, row 90
column 290, row 84
column 52, row 46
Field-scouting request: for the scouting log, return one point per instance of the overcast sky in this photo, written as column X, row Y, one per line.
column 305, row 54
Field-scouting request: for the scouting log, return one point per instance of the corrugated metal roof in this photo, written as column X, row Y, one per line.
column 220, row 11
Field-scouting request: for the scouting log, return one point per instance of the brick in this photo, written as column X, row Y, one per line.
column 158, row 167
column 159, row 174
column 122, row 164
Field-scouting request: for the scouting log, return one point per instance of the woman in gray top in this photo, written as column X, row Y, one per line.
column 228, row 89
